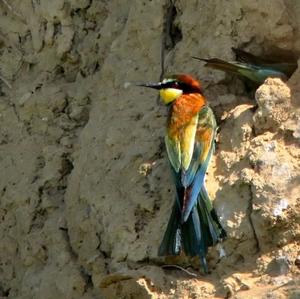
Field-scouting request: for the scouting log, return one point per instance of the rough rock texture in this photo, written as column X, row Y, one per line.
column 85, row 191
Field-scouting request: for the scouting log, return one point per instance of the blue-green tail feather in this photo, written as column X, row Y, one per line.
column 201, row 230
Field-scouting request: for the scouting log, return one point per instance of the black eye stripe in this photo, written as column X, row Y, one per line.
column 171, row 84
column 175, row 85
column 186, row 88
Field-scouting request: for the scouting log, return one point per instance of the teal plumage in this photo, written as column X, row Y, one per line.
column 252, row 67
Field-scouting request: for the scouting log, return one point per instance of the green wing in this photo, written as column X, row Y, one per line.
column 174, row 152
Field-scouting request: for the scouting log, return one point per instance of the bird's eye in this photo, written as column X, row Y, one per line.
column 175, row 85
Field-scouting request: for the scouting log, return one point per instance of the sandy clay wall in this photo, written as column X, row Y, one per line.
column 85, row 190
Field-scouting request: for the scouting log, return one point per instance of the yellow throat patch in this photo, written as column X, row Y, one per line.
column 168, row 95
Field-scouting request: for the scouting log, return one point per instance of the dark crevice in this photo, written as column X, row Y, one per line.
column 4, row 292
column 3, row 191
column 171, row 34
column 103, row 253
column 40, row 214
column 15, row 110
column 66, row 166
column 83, row 272
column 57, row 29
column 81, row 11
column 38, row 219
column 49, row 190
column 249, row 214
column 87, row 278
column 66, row 235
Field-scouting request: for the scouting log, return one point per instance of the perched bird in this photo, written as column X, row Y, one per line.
column 191, row 129
column 252, row 67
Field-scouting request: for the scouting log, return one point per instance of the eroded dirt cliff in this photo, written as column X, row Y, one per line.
column 85, row 187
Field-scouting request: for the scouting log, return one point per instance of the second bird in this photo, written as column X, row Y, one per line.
column 191, row 128
column 252, row 67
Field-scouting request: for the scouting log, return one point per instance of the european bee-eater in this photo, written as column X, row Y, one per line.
column 191, row 129
column 252, row 67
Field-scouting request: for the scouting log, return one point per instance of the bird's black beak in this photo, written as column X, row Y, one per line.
column 195, row 57
column 151, row 85
column 198, row 58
